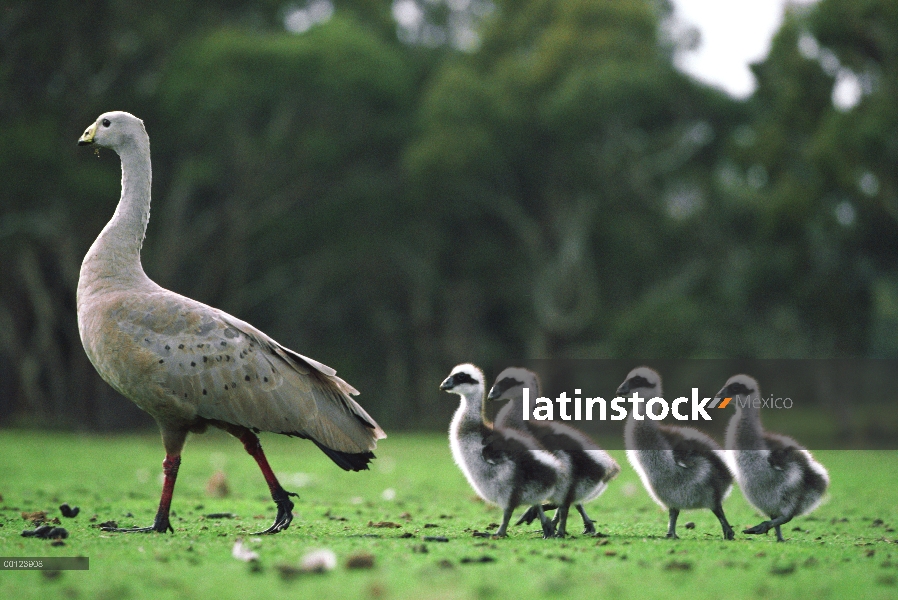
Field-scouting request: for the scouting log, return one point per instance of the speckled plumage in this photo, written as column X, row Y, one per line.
column 185, row 363
column 190, row 365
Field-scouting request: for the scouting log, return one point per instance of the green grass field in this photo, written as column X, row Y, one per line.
column 846, row 549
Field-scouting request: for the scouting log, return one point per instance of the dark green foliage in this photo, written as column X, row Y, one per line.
column 390, row 205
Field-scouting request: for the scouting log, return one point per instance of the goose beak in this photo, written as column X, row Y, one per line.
column 88, row 137
column 623, row 389
column 447, row 384
column 502, row 386
column 722, row 393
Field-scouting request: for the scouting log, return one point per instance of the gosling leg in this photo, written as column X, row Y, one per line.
column 589, row 526
column 728, row 533
column 768, row 525
column 672, row 523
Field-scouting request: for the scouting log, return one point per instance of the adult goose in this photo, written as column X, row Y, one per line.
column 190, row 365
column 777, row 476
column 505, row 467
column 590, row 468
column 680, row 467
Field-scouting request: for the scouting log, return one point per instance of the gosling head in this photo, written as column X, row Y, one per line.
column 644, row 380
column 114, row 130
column 511, row 383
column 464, row 380
column 739, row 386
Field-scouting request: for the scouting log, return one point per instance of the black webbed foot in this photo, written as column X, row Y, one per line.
column 548, row 529
column 160, row 525
column 285, row 512
column 759, row 528
column 531, row 514
column 589, row 526
column 528, row 517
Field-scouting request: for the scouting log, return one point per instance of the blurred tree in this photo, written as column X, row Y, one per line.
column 572, row 154
column 393, row 186
column 857, row 147
column 814, row 203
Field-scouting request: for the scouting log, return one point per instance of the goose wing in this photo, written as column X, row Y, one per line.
column 692, row 448
column 500, row 445
column 496, row 446
column 782, row 451
column 686, row 454
column 232, row 372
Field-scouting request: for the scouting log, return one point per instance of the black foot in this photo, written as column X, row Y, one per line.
column 759, row 528
column 528, row 517
column 487, row 534
column 589, row 526
column 549, row 530
column 768, row 525
column 161, row 525
column 729, row 534
column 285, row 512
column 672, row 536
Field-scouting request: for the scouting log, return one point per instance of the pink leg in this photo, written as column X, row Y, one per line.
column 161, row 524
column 280, row 496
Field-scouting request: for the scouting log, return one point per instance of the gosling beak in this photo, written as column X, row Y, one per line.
column 624, row 389
column 503, row 386
column 448, row 383
column 88, row 137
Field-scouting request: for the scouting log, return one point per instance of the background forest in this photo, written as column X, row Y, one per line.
column 497, row 179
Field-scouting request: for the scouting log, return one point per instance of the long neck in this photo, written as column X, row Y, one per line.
column 512, row 414
column 469, row 415
column 745, row 431
column 643, row 435
column 115, row 255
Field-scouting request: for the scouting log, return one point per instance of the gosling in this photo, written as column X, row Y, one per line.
column 507, row 468
column 777, row 476
column 590, row 467
column 680, row 467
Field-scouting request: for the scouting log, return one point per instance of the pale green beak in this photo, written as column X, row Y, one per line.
column 88, row 137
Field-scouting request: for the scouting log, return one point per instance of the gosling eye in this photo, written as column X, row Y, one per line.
column 106, row 123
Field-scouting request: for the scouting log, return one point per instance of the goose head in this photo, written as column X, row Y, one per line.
column 511, row 383
column 464, row 380
column 740, row 386
column 644, row 380
column 114, row 130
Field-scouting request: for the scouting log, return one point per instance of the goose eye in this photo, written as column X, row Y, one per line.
column 106, row 123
